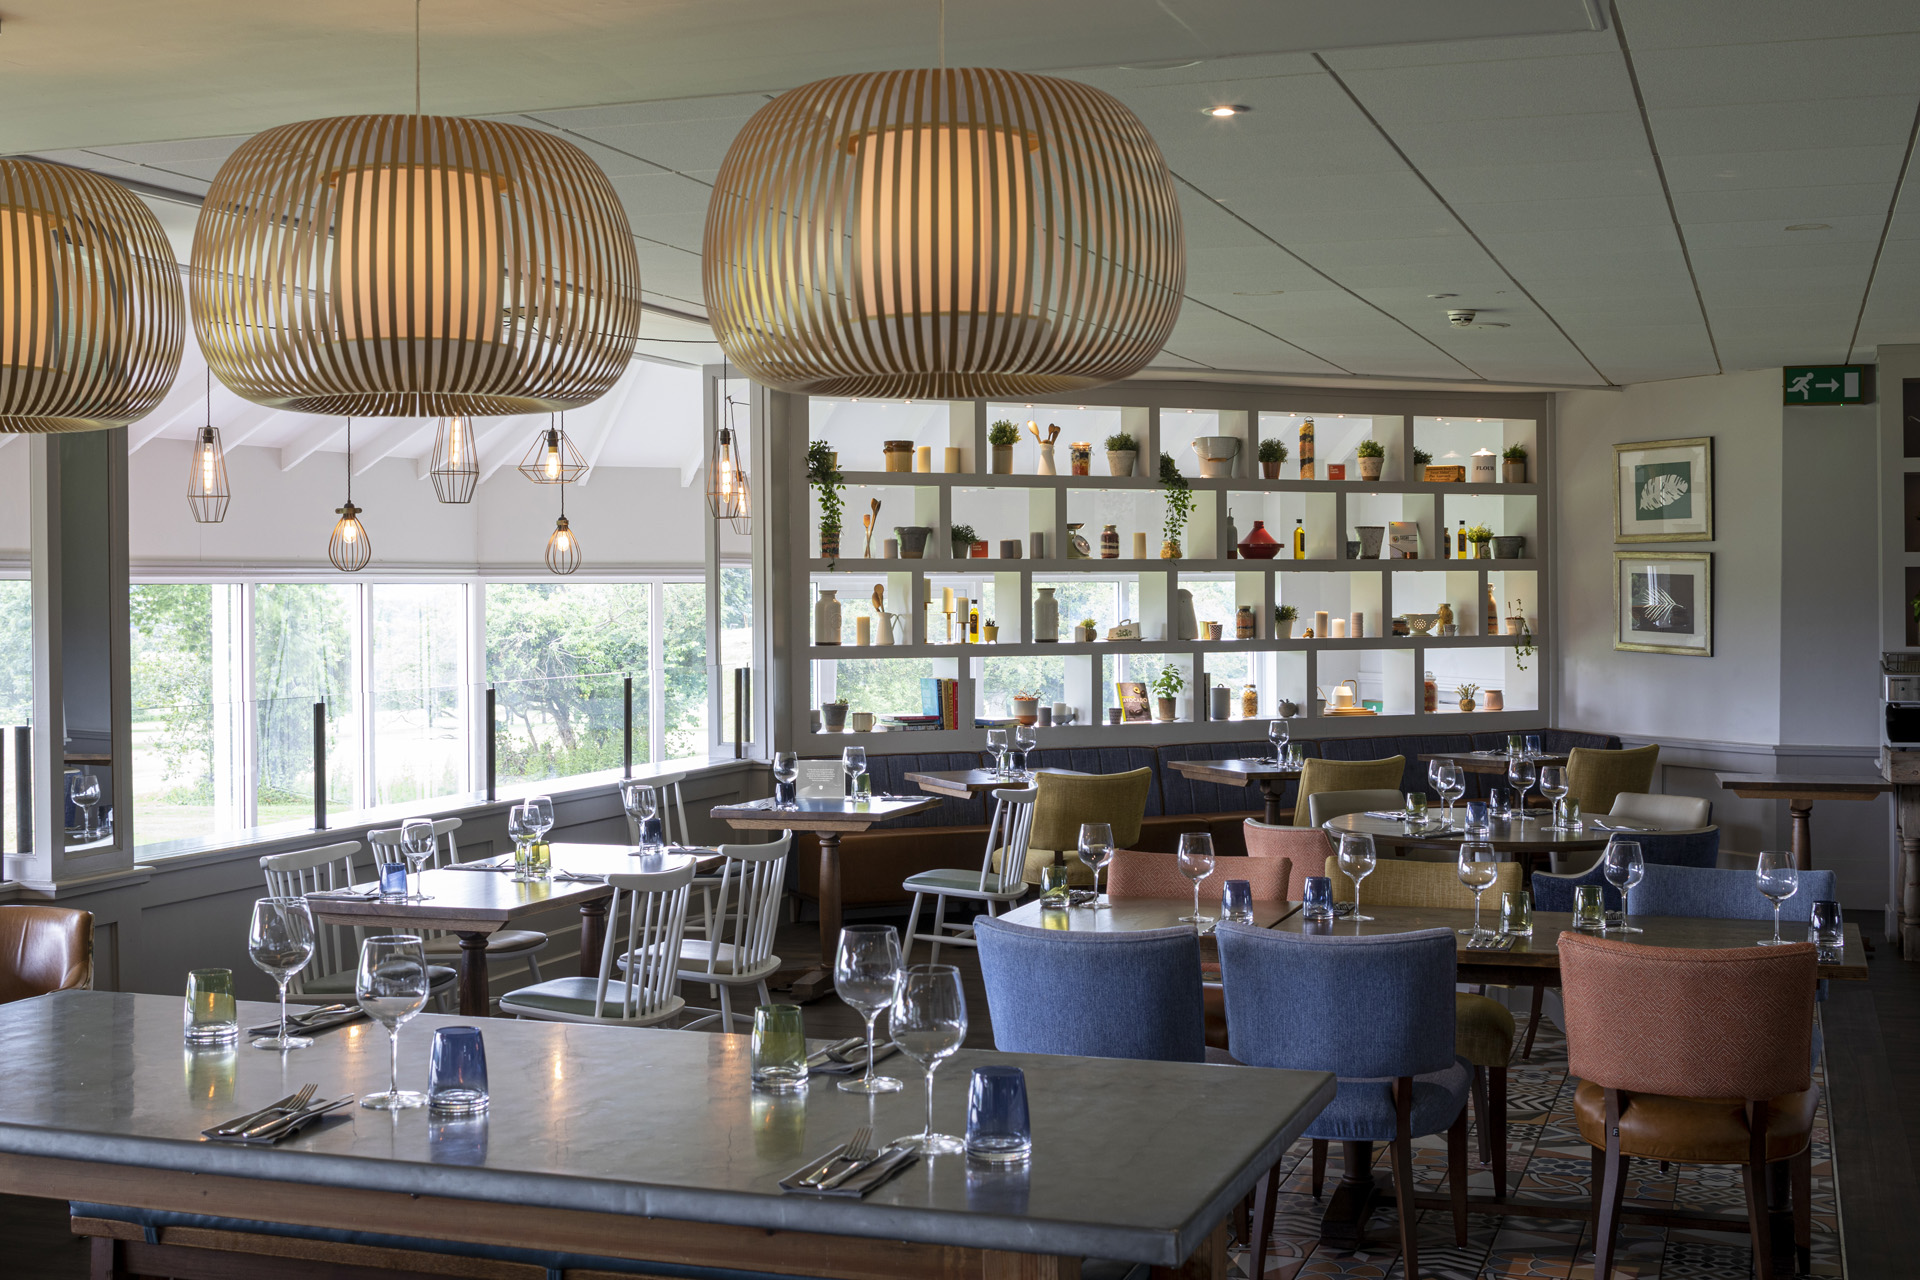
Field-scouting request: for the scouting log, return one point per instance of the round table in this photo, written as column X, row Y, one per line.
column 1528, row 842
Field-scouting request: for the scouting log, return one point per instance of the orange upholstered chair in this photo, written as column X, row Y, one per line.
column 1307, row 847
column 1698, row 1057
column 44, row 949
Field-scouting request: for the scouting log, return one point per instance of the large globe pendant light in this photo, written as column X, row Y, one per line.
column 951, row 233
column 411, row 265
column 91, row 313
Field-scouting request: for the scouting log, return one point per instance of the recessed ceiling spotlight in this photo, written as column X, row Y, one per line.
column 1811, row 226
column 1228, row 109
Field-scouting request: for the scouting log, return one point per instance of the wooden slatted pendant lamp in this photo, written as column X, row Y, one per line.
column 943, row 233
column 414, row 266
column 92, row 317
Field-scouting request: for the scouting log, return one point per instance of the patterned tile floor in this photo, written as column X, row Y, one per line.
column 1548, row 1161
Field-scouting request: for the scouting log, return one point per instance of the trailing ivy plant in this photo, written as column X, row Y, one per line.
column 823, row 474
column 1179, row 497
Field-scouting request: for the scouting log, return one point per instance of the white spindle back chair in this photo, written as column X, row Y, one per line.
column 329, row 976
column 443, row 947
column 739, row 952
column 655, row 903
column 1007, row 837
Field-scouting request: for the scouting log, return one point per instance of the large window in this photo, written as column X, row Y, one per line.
column 305, row 651
column 558, row 655
column 419, row 643
column 16, row 684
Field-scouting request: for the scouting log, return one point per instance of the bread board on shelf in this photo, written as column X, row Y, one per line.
column 1446, row 475
column 1349, row 711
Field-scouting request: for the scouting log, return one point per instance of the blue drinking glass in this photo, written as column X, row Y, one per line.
column 1319, row 899
column 457, row 1072
column 998, row 1129
column 1236, row 901
column 393, row 881
column 1533, row 745
column 1479, row 819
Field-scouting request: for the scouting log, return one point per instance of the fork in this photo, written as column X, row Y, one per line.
column 853, row 1153
column 287, row 1106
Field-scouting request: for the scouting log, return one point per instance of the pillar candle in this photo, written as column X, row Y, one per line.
column 923, row 458
column 1320, row 623
column 1358, row 627
column 960, row 610
column 946, row 599
column 863, row 630
column 953, row 461
column 1339, row 628
column 1139, row 546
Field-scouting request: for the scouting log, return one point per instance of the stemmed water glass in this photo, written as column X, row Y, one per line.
column 84, row 790
column 416, row 845
column 854, row 761
column 1096, row 850
column 786, row 769
column 392, row 985
column 1025, row 738
column 866, row 972
column 642, row 803
column 523, row 824
column 1625, row 864
column 997, row 746
column 1356, row 862
column 542, row 807
column 1479, row 867
column 1779, row 880
column 1279, row 733
column 929, row 1024
column 1553, row 785
column 1521, row 774
column 1196, row 864
column 1452, row 783
column 280, row 942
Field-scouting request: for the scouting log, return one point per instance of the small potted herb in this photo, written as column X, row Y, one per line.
column 1123, row 451
column 1465, row 693
column 990, row 631
column 823, row 474
column 1479, row 535
column 833, row 717
column 1513, row 464
column 1272, row 455
column 1283, row 619
column 1084, row 632
column 1002, row 436
column 1372, row 454
column 964, row 542
column 1026, row 707
column 1166, row 687
column 1421, row 461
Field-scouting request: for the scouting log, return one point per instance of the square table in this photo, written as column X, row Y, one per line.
column 1127, row 915
column 965, row 784
column 1243, row 773
column 1800, row 790
column 641, row 1144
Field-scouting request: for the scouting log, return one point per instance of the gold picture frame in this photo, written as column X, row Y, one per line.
column 1666, row 486
column 1663, row 602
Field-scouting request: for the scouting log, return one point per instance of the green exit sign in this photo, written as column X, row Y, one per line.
column 1827, row 384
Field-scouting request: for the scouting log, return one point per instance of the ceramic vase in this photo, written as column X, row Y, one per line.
column 826, row 619
column 1046, row 459
column 1187, row 626
column 1259, row 544
column 1046, row 617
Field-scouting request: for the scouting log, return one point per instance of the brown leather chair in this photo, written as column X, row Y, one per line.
column 1698, row 1057
column 44, row 949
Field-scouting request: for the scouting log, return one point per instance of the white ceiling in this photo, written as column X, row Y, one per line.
column 1618, row 196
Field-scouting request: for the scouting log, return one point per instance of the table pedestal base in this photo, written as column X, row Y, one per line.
column 803, row 985
column 475, row 999
column 1344, row 1223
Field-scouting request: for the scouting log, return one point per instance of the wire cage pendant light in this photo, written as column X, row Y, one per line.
column 349, row 548
column 207, row 491
column 726, row 478
column 953, row 233
column 563, row 544
column 742, row 518
column 92, row 317
column 456, row 464
column 552, row 459
column 414, row 266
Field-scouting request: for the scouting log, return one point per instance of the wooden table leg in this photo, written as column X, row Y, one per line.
column 1209, row 1261
column 1801, row 811
column 829, row 896
column 474, row 996
column 1344, row 1223
column 593, row 935
column 1271, row 790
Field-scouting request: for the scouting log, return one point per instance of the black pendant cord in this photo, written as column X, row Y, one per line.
column 349, row 461
column 416, row 55
column 563, row 458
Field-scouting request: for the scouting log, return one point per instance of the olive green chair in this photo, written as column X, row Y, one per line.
column 1595, row 777
column 1066, row 800
column 1320, row 774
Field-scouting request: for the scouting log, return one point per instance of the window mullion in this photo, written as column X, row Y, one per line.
column 656, row 672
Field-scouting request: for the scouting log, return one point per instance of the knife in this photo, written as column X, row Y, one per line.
column 273, row 1128
column 878, row 1167
column 253, row 1117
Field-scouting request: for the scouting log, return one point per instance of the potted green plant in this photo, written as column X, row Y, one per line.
column 1372, row 454
column 1272, row 455
column 833, row 717
column 1283, row 620
column 823, row 475
column 963, row 541
column 1479, row 535
column 1465, row 693
column 1513, row 464
column 1179, row 496
column 1026, row 707
column 990, row 631
column 1166, row 688
column 1421, row 460
column 1001, row 437
column 1083, row 632
column 1123, row 451
column 1524, row 649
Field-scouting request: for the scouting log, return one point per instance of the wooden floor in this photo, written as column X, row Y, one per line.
column 1873, row 1043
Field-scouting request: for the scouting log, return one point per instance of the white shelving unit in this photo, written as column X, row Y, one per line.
column 1166, row 416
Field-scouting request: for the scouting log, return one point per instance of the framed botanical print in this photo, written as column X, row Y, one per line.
column 1663, row 491
column 1663, row 602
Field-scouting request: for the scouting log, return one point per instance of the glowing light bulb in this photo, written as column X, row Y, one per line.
column 553, row 456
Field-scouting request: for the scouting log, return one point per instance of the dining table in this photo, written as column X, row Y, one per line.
column 828, row 819
column 1528, row 841
column 965, row 784
column 1130, row 915
column 472, row 900
column 1800, row 790
column 648, row 1146
column 1490, row 762
column 1269, row 775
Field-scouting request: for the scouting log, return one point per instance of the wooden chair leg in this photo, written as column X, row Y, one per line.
column 104, row 1260
column 1497, row 1105
column 1533, row 1020
column 1403, row 1177
column 1803, row 1208
column 1609, row 1190
column 1755, row 1172
column 1457, row 1175
column 1481, row 1120
column 1266, row 1199
column 1319, row 1165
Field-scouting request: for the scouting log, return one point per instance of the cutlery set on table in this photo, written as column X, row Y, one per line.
column 268, row 1125
column 847, row 1057
column 851, row 1169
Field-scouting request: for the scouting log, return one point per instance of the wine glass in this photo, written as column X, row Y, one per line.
column 1779, row 880
column 929, row 1024
column 1356, row 860
column 997, row 745
column 1434, row 768
column 1521, row 774
column 642, row 803
column 854, row 760
column 416, row 845
column 866, row 971
column 84, row 790
column 1553, row 785
column 1025, row 738
column 523, row 824
column 786, row 768
column 1279, row 733
column 1096, row 850
column 392, row 984
column 1453, row 785
column 542, row 807
column 1479, row 867
column 1196, row 864
column 280, row 942
column 1625, row 864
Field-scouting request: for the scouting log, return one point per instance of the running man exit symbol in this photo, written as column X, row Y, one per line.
column 1827, row 384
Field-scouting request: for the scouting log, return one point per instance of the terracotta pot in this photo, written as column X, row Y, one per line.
column 1120, row 461
column 1270, row 470
column 1370, row 468
column 1164, row 708
column 1514, row 472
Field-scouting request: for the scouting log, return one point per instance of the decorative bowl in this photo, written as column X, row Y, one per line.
column 1421, row 623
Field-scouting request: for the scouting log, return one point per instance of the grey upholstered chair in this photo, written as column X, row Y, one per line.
column 1093, row 995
